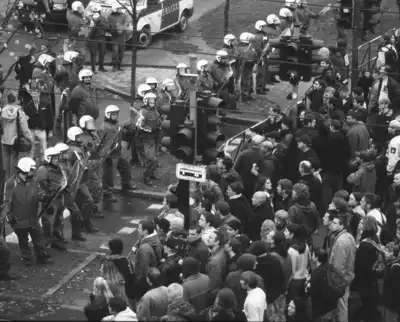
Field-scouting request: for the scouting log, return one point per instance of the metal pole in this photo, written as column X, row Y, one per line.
column 355, row 33
column 193, row 104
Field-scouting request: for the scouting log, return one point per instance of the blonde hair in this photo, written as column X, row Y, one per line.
column 101, row 288
column 267, row 226
column 175, row 291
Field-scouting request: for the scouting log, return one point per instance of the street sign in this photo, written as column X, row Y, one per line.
column 195, row 173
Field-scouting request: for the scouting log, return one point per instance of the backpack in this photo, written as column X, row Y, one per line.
column 336, row 282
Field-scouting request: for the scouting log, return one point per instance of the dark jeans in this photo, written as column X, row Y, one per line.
column 108, row 173
column 36, row 233
column 97, row 48
column 117, row 54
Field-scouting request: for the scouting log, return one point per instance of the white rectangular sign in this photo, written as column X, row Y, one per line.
column 196, row 173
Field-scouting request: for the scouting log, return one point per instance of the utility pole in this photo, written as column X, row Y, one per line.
column 355, row 26
column 193, row 104
column 135, row 42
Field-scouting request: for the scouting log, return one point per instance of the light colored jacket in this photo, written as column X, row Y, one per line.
column 343, row 255
column 9, row 124
column 127, row 315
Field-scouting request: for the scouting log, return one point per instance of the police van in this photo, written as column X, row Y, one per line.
column 154, row 16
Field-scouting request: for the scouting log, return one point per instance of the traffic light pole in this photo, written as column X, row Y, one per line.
column 193, row 104
column 355, row 34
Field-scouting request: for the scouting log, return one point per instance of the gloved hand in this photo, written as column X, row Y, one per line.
column 50, row 210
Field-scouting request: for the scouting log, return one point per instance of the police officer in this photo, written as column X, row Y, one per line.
column 148, row 125
column 261, row 46
column 21, row 206
column 66, row 78
column 92, row 144
column 181, row 69
column 222, row 75
column 52, row 179
column 42, row 78
column 118, row 25
column 169, row 92
column 82, row 101
column 304, row 15
column 112, row 137
column 206, row 82
column 97, row 38
column 78, row 30
column 248, row 58
column 136, row 145
column 272, row 31
column 230, row 46
column 286, row 14
column 69, row 196
column 83, row 198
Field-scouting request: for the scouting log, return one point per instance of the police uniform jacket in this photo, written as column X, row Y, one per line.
column 110, row 134
column 83, row 102
column 22, row 202
column 50, row 178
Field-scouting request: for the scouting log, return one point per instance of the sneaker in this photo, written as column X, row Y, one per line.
column 90, row 229
column 58, row 245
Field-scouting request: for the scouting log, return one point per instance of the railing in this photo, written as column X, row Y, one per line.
column 366, row 50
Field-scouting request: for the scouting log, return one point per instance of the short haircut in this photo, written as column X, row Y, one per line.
column 147, row 225
column 116, row 246
column 117, row 304
column 250, row 278
column 175, row 291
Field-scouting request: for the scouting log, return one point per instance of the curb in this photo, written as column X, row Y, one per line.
column 230, row 119
column 146, row 194
column 55, row 288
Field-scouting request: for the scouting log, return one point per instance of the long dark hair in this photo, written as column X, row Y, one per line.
column 227, row 302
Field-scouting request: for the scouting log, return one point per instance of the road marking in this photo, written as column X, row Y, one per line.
column 155, row 206
column 13, row 238
column 126, row 231
column 104, row 246
column 136, row 221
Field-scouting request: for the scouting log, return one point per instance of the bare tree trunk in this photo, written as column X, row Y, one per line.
column 226, row 16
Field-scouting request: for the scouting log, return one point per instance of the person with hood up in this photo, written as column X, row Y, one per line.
column 195, row 285
column 154, row 302
column 118, row 24
column 12, row 113
column 178, row 308
column 148, row 253
column 83, row 98
column 118, row 271
column 364, row 179
column 303, row 211
column 121, row 311
column 246, row 262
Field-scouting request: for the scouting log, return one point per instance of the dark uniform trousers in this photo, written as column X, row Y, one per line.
column 5, row 255
column 150, row 152
column 108, row 173
column 95, row 187
column 84, row 201
column 36, row 233
column 97, row 48
column 53, row 222
column 75, row 213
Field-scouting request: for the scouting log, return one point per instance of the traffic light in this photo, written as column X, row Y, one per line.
column 284, row 60
column 171, row 126
column 345, row 18
column 309, row 60
column 209, row 138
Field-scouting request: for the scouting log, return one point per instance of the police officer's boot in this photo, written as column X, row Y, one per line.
column 97, row 214
column 76, row 231
column 58, row 245
column 43, row 260
column 147, row 181
column 89, row 227
column 128, row 186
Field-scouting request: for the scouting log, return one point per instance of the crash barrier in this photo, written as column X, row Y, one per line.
column 236, row 144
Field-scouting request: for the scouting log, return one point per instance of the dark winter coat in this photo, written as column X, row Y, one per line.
column 195, row 291
column 260, row 214
column 199, row 250
column 216, row 268
column 391, row 287
column 245, row 263
column 304, row 213
column 41, row 118
column 148, row 254
column 315, row 189
column 170, row 270
column 241, row 209
column 239, row 316
column 83, row 102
